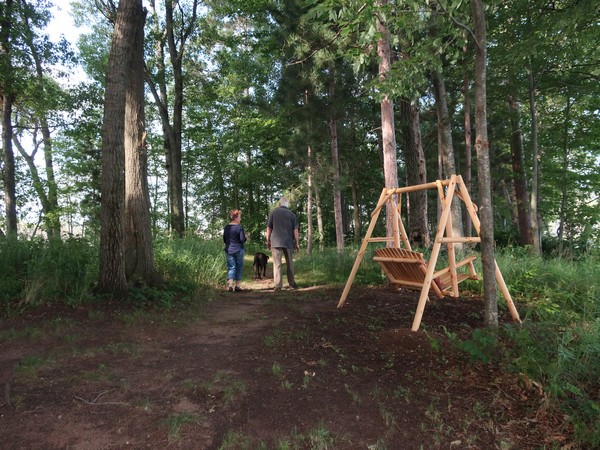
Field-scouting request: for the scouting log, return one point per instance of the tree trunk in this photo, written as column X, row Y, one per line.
column 8, row 171
column 309, row 200
column 468, row 146
column 565, row 179
column 112, row 239
column 37, row 182
column 310, row 175
column 172, row 131
column 416, row 173
column 490, row 300
column 388, row 133
column 536, row 247
column 139, row 254
column 335, row 165
column 8, row 98
column 175, row 149
column 51, row 209
column 356, row 213
column 519, row 178
column 320, row 231
column 446, row 148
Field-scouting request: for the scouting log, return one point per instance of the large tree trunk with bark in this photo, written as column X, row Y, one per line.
column 112, row 239
column 488, row 261
column 446, row 147
column 416, row 173
column 175, row 149
column 139, row 254
column 8, row 170
column 388, row 133
column 8, row 98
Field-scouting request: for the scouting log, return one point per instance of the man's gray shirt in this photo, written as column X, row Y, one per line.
column 282, row 222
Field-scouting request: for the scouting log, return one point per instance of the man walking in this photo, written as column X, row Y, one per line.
column 282, row 240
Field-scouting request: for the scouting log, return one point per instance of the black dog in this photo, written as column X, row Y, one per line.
column 260, row 265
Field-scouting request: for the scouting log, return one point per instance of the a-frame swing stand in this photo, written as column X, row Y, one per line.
column 406, row 268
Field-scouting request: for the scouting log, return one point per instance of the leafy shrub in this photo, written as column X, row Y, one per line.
column 481, row 347
column 565, row 361
column 558, row 344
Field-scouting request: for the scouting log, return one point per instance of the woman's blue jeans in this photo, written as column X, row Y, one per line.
column 235, row 263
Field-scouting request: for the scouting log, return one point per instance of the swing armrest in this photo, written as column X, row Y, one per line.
column 464, row 262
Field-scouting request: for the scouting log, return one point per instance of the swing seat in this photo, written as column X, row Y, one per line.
column 407, row 269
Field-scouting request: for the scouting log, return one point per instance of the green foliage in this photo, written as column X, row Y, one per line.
column 481, row 347
column 190, row 261
column 329, row 267
column 224, row 386
column 46, row 270
column 558, row 344
column 565, row 361
column 554, row 289
column 37, row 271
column 176, row 422
column 234, row 440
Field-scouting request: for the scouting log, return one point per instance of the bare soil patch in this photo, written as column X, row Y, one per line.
column 262, row 370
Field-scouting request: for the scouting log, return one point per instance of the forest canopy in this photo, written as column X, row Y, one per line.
column 248, row 100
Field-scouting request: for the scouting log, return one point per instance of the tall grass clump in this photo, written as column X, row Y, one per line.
column 191, row 260
column 38, row 270
column 327, row 266
column 558, row 344
column 553, row 289
column 14, row 260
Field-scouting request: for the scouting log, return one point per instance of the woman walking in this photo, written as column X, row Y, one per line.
column 234, row 238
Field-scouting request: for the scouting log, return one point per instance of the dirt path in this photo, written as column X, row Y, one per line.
column 260, row 370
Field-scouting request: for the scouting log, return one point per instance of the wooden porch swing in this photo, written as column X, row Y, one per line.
column 407, row 268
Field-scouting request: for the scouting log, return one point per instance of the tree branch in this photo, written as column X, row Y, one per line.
column 331, row 41
column 459, row 24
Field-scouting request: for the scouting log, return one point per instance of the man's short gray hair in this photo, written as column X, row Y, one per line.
column 283, row 201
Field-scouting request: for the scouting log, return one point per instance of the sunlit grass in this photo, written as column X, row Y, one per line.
column 328, row 267
column 192, row 260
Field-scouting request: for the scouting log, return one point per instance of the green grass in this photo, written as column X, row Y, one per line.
column 32, row 271
column 235, row 440
column 191, row 260
column 28, row 368
column 222, row 385
column 176, row 422
column 30, row 333
column 557, row 346
column 329, row 267
column 317, row 438
column 276, row 369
